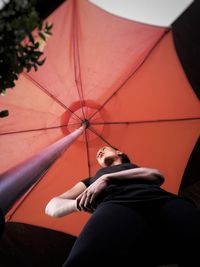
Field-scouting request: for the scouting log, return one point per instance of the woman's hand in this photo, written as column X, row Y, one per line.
column 85, row 201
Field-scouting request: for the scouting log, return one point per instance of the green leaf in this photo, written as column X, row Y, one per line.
column 48, row 27
column 40, row 25
column 42, row 36
column 37, row 53
column 28, row 67
column 35, row 67
column 37, row 45
column 10, row 84
column 31, row 38
column 3, row 91
column 4, row 113
column 41, row 62
column 19, row 48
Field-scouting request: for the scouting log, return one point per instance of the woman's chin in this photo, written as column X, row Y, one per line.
column 108, row 161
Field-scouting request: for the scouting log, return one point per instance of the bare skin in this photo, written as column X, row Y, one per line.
column 80, row 197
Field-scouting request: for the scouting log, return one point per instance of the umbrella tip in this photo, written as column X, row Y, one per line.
column 86, row 123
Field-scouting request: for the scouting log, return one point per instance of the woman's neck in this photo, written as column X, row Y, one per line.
column 114, row 162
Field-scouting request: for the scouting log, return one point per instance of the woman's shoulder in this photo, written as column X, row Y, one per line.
column 86, row 181
column 131, row 165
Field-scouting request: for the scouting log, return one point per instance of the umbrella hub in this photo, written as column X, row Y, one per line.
column 87, row 113
column 86, row 123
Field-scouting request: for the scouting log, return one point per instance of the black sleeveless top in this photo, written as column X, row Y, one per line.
column 127, row 190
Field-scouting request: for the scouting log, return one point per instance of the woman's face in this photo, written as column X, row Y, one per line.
column 107, row 155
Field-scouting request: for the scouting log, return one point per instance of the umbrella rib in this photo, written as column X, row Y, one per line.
column 76, row 55
column 23, row 198
column 40, row 129
column 130, row 75
column 103, row 139
column 88, row 154
column 145, row 121
column 50, row 95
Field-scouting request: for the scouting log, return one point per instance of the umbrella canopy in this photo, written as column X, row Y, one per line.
column 124, row 79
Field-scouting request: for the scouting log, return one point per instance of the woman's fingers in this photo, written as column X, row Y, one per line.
column 84, row 201
column 87, row 198
column 93, row 196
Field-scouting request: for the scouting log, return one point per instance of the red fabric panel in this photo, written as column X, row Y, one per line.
column 94, row 47
column 29, row 107
column 20, row 146
column 158, row 90
column 57, row 74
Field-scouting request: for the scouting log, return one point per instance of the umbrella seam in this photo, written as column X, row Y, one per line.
column 132, row 74
column 50, row 95
column 77, row 69
column 104, row 140
column 145, row 121
column 40, row 129
column 88, row 155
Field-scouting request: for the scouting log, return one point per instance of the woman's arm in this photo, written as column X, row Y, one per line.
column 65, row 203
column 149, row 174
column 86, row 199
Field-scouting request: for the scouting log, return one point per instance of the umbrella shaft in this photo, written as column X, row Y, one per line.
column 16, row 181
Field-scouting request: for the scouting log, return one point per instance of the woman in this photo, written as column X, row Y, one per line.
column 133, row 219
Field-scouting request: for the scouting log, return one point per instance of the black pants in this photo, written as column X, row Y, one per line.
column 148, row 234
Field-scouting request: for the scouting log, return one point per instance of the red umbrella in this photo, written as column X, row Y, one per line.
column 120, row 78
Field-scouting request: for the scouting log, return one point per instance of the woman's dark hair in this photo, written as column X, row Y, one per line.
column 123, row 156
